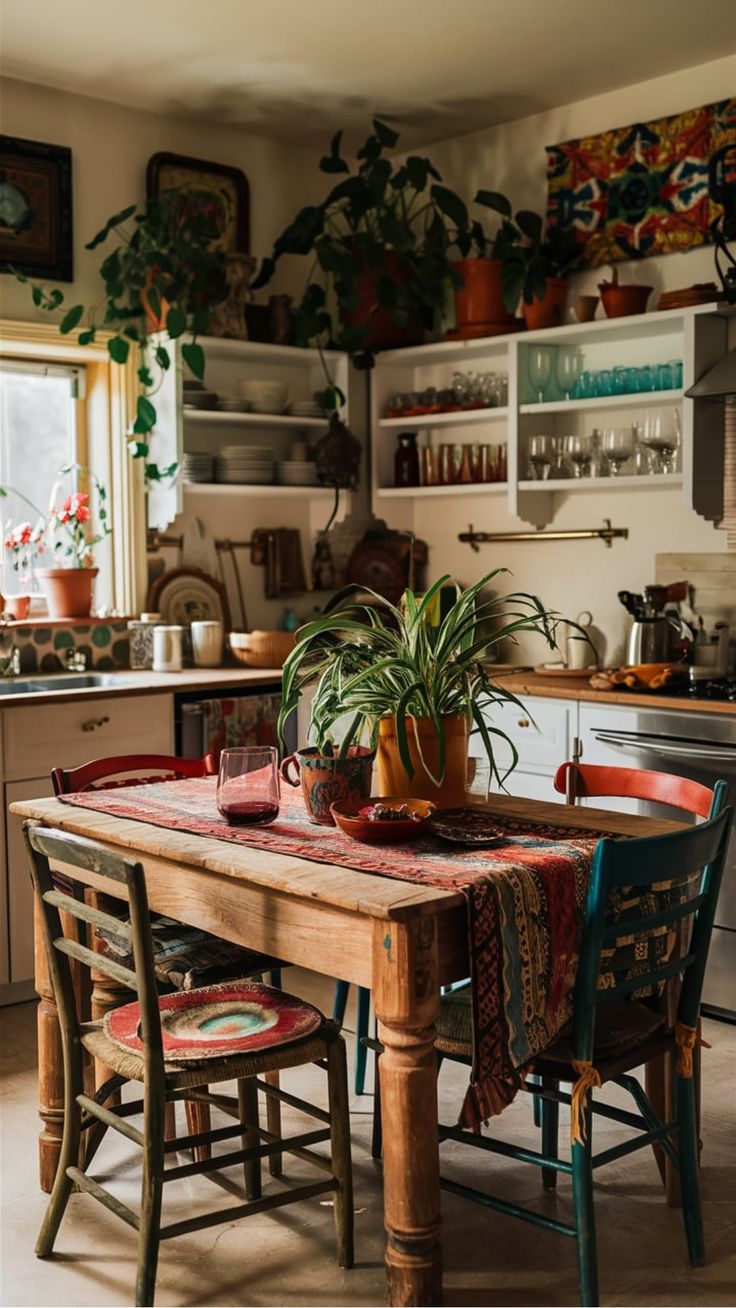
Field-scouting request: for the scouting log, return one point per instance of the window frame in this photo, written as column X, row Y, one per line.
column 104, row 418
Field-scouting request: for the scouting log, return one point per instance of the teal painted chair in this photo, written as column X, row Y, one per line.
column 613, row 1032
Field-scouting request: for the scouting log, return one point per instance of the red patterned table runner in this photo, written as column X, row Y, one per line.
column 524, row 900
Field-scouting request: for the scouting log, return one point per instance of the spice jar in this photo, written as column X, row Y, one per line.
column 141, row 640
column 406, row 460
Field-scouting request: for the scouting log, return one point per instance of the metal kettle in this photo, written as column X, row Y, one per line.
column 656, row 636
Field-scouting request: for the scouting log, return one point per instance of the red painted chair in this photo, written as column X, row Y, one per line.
column 172, row 971
column 590, row 781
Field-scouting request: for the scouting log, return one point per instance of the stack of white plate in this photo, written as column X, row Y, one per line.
column 244, row 465
column 197, row 467
column 292, row 473
column 200, row 399
column 233, row 404
column 306, row 409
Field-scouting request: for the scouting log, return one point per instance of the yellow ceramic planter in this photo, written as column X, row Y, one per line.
column 392, row 777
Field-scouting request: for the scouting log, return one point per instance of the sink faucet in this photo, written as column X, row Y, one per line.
column 9, row 652
column 75, row 660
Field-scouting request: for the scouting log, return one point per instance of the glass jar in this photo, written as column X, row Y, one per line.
column 406, row 460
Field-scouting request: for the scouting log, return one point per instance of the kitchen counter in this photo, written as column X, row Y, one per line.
column 143, row 683
column 530, row 683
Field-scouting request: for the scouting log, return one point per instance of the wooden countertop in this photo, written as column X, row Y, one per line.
column 141, row 683
column 530, row 683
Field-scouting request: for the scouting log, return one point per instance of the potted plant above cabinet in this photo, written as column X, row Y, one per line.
column 534, row 259
column 410, row 679
column 378, row 245
column 480, row 305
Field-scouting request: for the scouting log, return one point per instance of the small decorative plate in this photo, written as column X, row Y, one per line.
column 233, row 1018
column 186, row 595
column 467, row 826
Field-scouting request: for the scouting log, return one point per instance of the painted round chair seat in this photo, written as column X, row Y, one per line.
column 237, row 1017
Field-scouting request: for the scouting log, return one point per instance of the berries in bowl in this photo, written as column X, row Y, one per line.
column 382, row 820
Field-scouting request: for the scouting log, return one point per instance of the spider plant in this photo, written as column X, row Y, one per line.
column 373, row 661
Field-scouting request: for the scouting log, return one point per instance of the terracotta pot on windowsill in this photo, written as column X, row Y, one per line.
column 68, row 591
column 17, row 607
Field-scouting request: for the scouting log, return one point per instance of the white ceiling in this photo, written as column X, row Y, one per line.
column 295, row 70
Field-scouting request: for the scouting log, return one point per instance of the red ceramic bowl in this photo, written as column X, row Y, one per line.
column 350, row 817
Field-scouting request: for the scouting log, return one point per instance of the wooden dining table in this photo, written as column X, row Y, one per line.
column 402, row 940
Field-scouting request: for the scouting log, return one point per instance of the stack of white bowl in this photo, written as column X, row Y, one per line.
column 250, row 465
column 297, row 473
column 306, row 409
column 197, row 467
column 265, row 395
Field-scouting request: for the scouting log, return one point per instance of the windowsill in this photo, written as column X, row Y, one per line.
column 37, row 620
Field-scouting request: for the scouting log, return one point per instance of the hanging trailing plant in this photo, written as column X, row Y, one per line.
column 163, row 275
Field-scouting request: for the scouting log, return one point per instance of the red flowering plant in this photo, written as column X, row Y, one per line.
column 24, row 543
column 64, row 530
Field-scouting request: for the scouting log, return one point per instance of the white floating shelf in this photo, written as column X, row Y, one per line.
column 640, row 400
column 207, row 417
column 458, row 418
column 648, row 481
column 222, row 347
column 244, row 488
column 427, row 492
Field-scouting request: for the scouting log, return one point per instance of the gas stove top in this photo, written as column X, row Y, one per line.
column 722, row 689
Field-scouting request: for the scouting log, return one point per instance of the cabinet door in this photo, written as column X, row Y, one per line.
column 594, row 719
column 20, row 892
column 41, row 736
column 532, row 785
column 540, row 731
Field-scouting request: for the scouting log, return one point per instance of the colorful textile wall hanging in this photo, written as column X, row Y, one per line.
column 640, row 190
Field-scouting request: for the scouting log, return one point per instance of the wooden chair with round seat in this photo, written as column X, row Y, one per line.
column 176, row 1046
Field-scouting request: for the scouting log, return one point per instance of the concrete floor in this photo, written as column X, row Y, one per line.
column 287, row 1258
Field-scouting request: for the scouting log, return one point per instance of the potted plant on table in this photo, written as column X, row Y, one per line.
column 378, row 245
column 65, row 532
column 415, row 687
column 163, row 274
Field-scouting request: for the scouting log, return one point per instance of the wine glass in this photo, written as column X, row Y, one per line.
column 617, row 446
column 540, row 369
column 248, row 785
column 540, row 457
column 662, row 437
column 568, row 368
column 580, row 452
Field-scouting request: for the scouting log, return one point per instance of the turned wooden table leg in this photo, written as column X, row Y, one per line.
column 50, row 1068
column 406, row 998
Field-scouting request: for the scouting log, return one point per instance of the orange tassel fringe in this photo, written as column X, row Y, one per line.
column 588, row 1079
column 687, row 1038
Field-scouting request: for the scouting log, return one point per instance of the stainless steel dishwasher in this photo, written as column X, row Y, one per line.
column 691, row 744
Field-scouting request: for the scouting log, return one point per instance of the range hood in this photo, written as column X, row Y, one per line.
column 718, row 383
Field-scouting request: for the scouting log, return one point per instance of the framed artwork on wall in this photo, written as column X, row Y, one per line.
column 36, row 209
column 224, row 187
column 641, row 190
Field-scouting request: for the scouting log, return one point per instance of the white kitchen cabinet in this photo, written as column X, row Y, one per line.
column 697, row 336
column 542, row 732
column 37, row 738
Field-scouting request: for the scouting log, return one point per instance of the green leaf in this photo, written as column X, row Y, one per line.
column 176, row 322
column 137, row 449
column 494, row 200
column 71, row 318
column 264, row 275
column 86, row 337
column 193, row 356
column 118, row 349
column 144, row 377
column 55, row 298
column 386, row 135
column 200, row 321
column 37, row 295
column 115, row 221
column 530, row 224
column 162, row 357
column 329, row 165
column 145, row 416
column 450, row 204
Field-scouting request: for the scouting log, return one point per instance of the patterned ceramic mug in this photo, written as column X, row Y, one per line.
column 326, row 780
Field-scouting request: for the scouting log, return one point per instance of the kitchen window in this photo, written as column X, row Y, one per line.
column 42, row 430
column 61, row 404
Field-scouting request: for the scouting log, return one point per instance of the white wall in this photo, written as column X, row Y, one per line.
column 111, row 146
column 574, row 576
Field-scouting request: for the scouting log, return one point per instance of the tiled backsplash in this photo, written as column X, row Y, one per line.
column 43, row 647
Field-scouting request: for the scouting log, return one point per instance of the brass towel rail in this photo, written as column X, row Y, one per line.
column 606, row 533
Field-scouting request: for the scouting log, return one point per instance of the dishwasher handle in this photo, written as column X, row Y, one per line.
column 678, row 750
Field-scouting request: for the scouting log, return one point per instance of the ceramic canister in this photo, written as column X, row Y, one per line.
column 325, row 780
column 207, row 641
column 167, row 654
column 141, row 640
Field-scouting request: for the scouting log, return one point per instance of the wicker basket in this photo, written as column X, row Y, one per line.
column 261, row 649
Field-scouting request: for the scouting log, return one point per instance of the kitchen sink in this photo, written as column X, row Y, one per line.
column 39, row 685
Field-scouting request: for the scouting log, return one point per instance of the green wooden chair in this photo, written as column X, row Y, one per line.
column 288, row 1033
column 614, row 1030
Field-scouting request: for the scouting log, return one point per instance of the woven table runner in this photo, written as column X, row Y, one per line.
column 524, row 898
